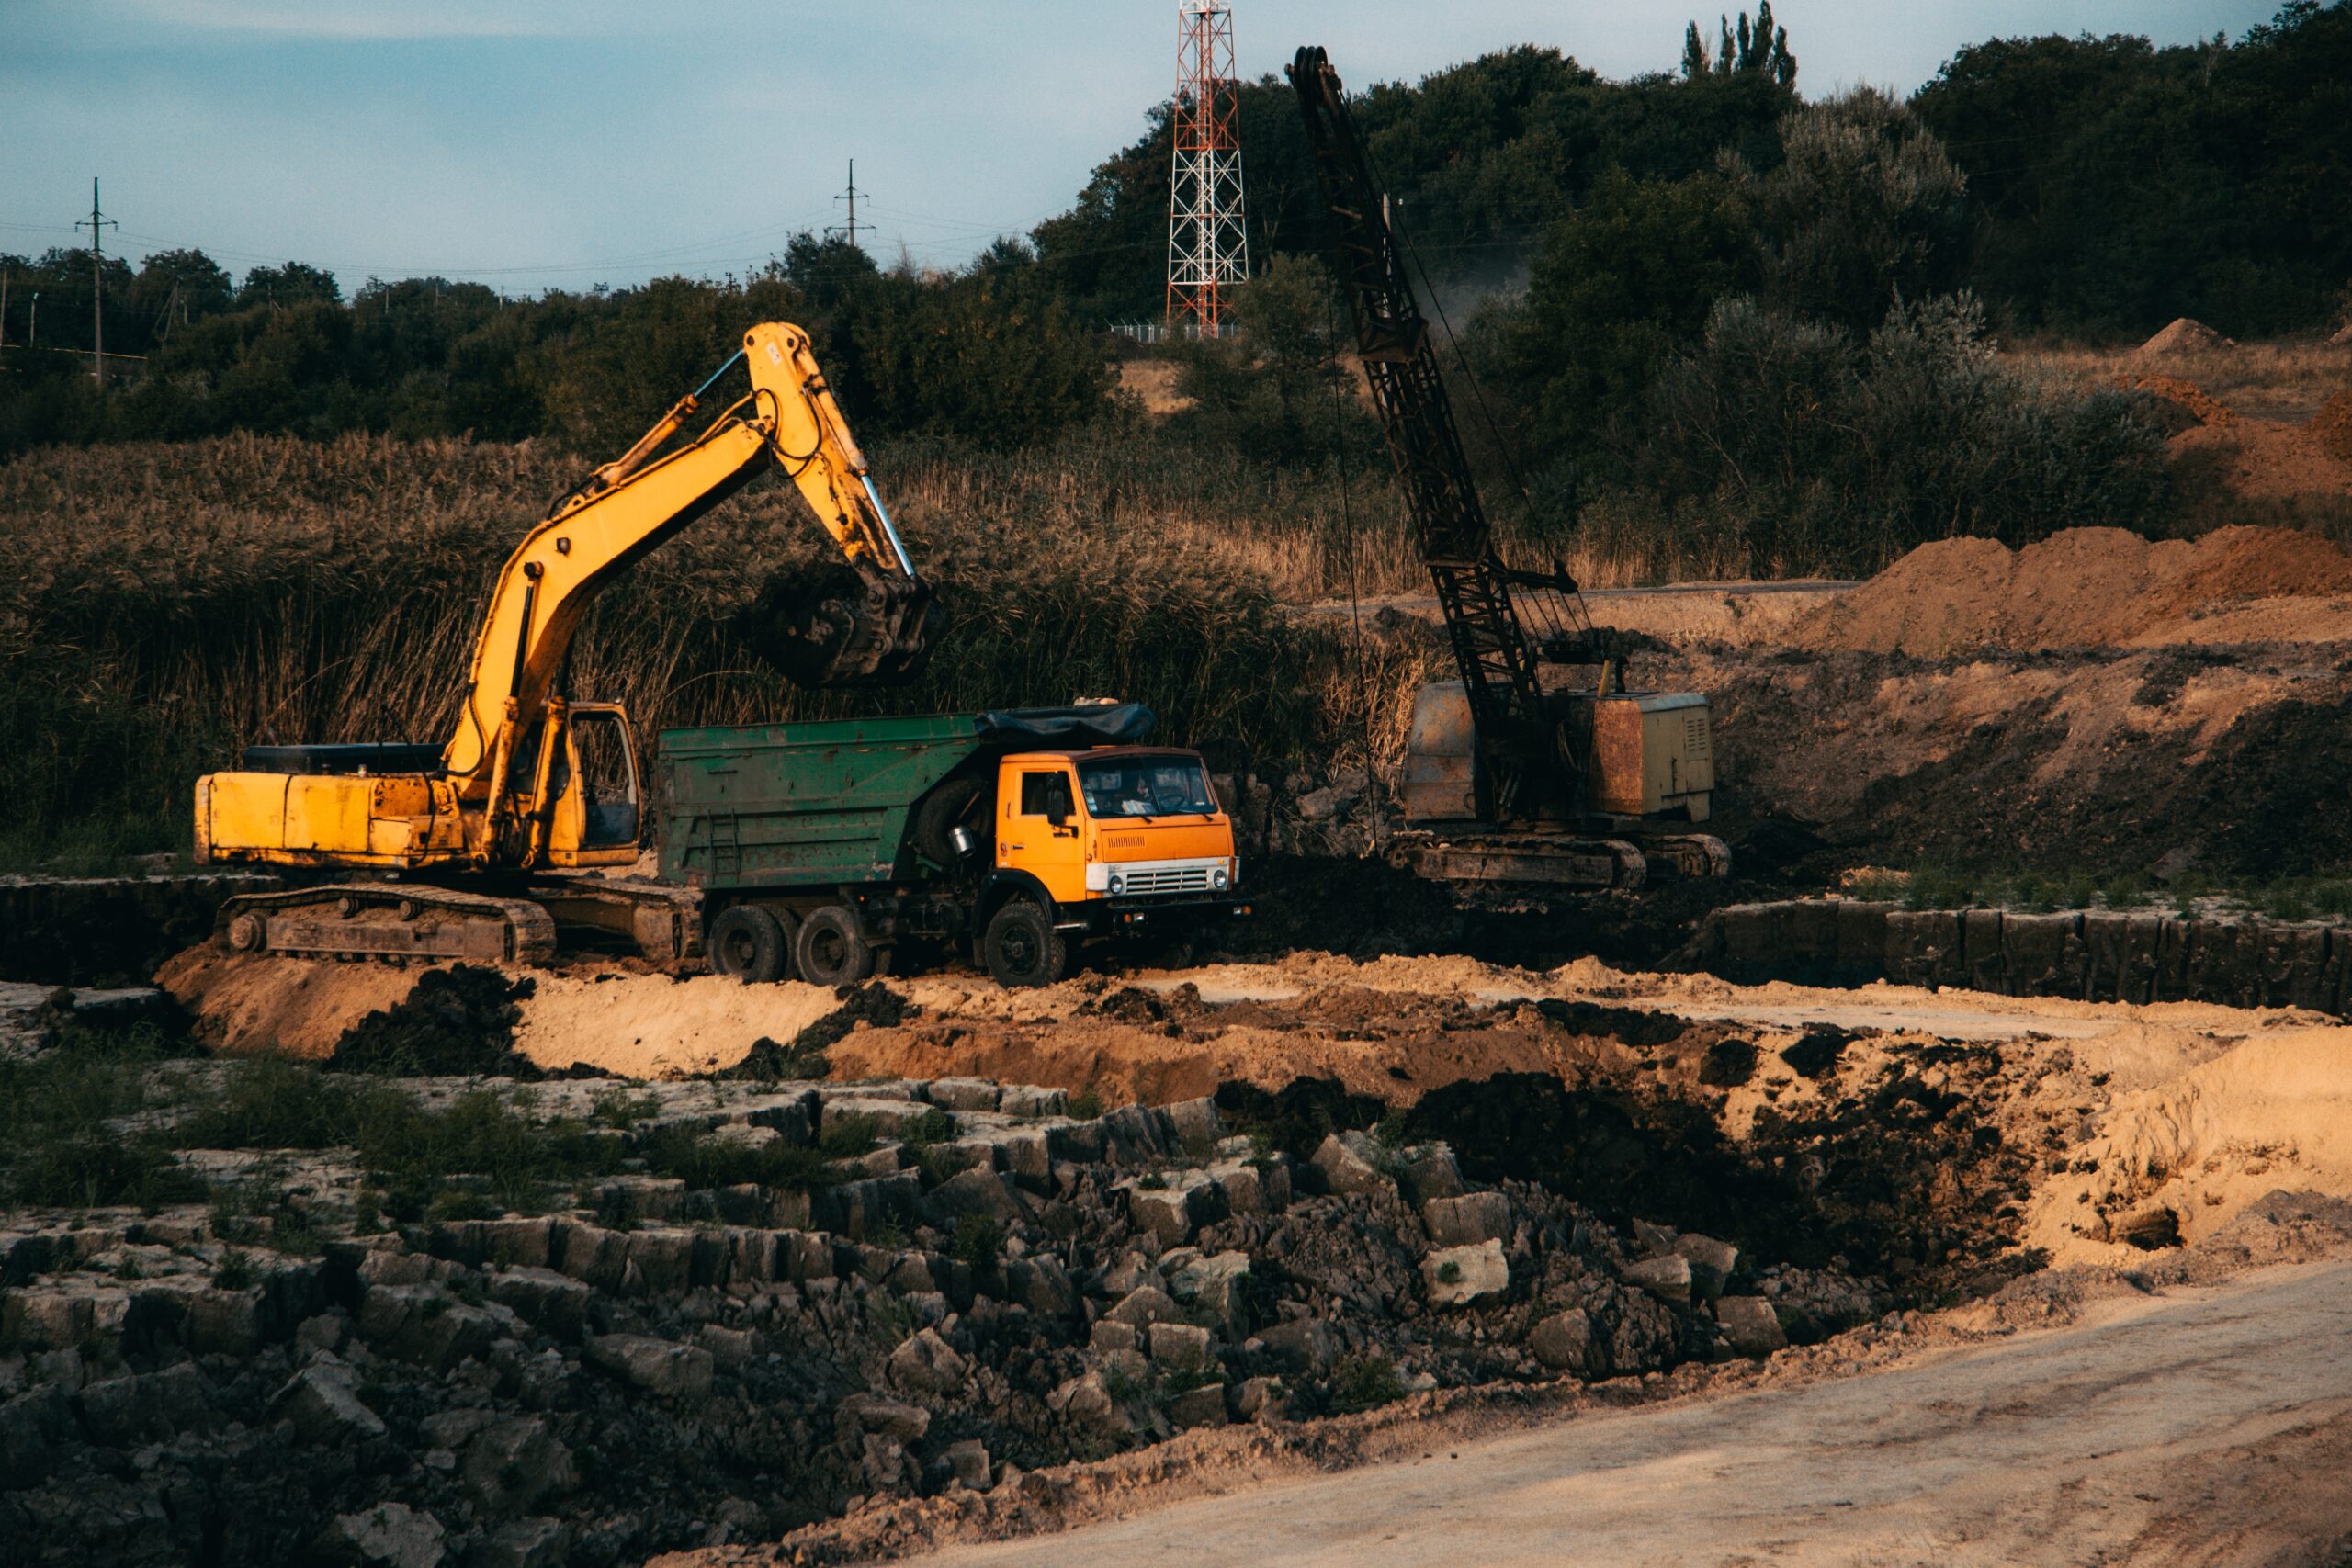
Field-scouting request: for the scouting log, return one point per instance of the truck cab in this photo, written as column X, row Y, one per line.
column 1110, row 840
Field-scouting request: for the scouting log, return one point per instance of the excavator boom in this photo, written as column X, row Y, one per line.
column 630, row 506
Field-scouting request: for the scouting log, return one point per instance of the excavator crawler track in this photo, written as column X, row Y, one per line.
column 388, row 920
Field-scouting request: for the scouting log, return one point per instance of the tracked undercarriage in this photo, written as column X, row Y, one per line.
column 1480, row 857
column 522, row 922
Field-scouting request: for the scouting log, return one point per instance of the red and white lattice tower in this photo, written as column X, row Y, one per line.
column 1209, row 251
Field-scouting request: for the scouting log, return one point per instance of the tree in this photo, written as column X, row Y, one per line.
column 827, row 270
column 1762, row 48
column 1273, row 392
column 177, row 287
column 1864, row 207
column 1617, row 287
column 296, row 283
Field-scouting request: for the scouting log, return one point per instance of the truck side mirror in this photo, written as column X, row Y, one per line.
column 1058, row 803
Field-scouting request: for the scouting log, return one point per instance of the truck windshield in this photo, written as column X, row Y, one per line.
column 1146, row 787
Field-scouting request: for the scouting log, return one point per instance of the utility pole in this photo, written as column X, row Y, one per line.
column 99, row 224
column 32, row 333
column 848, row 230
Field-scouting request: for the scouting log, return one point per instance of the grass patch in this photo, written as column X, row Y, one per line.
column 703, row 1160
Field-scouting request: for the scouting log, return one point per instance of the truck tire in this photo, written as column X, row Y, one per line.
column 749, row 943
column 1022, row 948
column 830, row 951
column 938, row 816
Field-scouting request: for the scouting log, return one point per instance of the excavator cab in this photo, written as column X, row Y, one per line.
column 594, row 785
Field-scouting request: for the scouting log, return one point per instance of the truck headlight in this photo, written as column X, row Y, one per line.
column 1220, row 879
column 1118, row 885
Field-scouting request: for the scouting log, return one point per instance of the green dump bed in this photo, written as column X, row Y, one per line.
column 781, row 804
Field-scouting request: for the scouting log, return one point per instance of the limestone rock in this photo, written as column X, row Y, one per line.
column 325, row 1411
column 1752, row 1325
column 514, row 1463
column 1456, row 1276
column 1668, row 1278
column 657, row 1366
column 1203, row 1406
column 1144, row 1305
column 391, row 1535
column 924, row 1361
column 1350, row 1162
column 1183, row 1347
column 1711, row 1262
column 1564, row 1342
column 1470, row 1218
column 967, row 1465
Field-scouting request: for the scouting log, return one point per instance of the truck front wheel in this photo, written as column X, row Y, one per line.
column 749, row 943
column 830, row 951
column 1022, row 948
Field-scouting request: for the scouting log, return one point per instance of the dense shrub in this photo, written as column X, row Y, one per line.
column 1787, row 446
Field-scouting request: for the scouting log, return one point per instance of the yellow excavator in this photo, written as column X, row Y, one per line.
column 479, row 829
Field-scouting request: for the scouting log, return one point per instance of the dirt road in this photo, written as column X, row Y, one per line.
column 2205, row 1425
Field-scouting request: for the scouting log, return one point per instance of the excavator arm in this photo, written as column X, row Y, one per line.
column 878, row 628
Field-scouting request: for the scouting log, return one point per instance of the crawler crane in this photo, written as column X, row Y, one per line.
column 1521, row 772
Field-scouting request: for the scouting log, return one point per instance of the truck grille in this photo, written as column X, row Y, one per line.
column 1173, row 879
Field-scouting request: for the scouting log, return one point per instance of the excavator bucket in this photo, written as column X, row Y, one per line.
column 838, row 625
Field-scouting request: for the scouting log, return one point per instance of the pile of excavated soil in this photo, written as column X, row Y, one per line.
column 2083, row 588
column 2201, row 406
column 2185, row 337
column 2263, row 460
column 2332, row 426
column 631, row 1025
column 2104, row 762
column 2185, row 1151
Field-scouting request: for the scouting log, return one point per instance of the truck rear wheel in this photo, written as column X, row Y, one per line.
column 831, row 950
column 1022, row 948
column 749, row 943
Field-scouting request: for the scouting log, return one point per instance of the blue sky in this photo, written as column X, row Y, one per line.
column 532, row 143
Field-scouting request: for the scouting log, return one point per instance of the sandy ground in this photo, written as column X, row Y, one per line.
column 2194, row 1426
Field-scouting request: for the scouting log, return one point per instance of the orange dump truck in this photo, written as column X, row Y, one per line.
column 821, row 849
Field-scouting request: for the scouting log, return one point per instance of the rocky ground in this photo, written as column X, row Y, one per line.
column 261, row 1309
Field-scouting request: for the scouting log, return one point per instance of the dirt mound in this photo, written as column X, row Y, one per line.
column 454, row 1021
column 2332, row 426
column 2085, row 587
column 2199, row 1147
column 2186, row 336
column 2200, row 405
column 2258, row 460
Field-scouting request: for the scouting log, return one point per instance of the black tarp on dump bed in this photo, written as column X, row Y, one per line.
column 1102, row 724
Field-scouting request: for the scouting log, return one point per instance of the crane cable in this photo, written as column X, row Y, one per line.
column 1355, row 566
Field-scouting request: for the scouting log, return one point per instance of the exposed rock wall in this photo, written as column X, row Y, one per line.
column 2090, row 955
